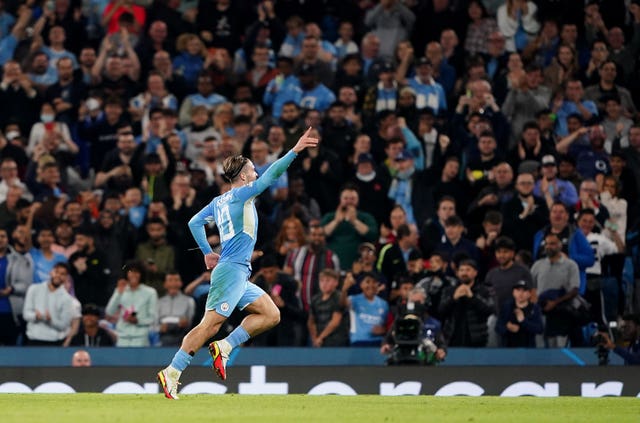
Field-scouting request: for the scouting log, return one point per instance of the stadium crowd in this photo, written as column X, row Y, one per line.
column 478, row 157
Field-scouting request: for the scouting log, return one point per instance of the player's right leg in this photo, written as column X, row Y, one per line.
column 192, row 342
column 231, row 286
column 263, row 315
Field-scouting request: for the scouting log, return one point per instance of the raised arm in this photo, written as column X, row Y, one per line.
column 278, row 167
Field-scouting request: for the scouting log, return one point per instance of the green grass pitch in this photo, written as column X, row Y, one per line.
column 99, row 408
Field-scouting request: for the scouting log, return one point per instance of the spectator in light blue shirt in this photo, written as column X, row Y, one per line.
column 12, row 30
column 41, row 74
column 573, row 103
column 552, row 188
column 292, row 43
column 283, row 88
column 190, row 61
column 206, row 96
column 56, row 51
column 368, row 312
column 315, row 95
column 6, row 21
column 428, row 92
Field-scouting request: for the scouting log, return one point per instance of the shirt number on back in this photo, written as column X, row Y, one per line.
column 225, row 225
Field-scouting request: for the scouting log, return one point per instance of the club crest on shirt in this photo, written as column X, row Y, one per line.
column 224, row 307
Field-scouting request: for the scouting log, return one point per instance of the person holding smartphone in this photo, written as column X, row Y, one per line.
column 135, row 304
column 282, row 289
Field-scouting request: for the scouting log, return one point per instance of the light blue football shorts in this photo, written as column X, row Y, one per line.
column 230, row 288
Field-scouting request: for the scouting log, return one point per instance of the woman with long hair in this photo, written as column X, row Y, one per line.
column 563, row 67
column 290, row 237
column 479, row 28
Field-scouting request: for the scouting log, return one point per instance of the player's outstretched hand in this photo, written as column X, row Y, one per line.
column 305, row 141
column 211, row 260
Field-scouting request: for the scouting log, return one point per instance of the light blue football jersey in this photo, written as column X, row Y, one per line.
column 234, row 213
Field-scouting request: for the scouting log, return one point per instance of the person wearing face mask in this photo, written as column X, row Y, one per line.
column 48, row 127
column 372, row 187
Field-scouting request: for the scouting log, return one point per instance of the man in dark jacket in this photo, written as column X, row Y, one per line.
column 394, row 256
column 90, row 270
column 282, row 288
column 465, row 308
column 525, row 213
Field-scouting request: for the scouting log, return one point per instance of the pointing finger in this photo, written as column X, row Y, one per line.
column 306, row 134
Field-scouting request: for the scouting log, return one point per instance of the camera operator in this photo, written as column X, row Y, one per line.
column 404, row 346
column 630, row 334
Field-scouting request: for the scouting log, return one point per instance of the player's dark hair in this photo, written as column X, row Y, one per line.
column 232, row 167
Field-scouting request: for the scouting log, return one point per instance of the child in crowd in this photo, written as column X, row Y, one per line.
column 368, row 312
column 327, row 322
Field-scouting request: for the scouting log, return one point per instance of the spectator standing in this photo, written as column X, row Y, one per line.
column 572, row 102
column 347, row 227
column 551, row 187
column 453, row 242
column 479, row 28
column 327, row 322
column 520, row 320
column 607, row 87
column 465, row 308
column 175, row 311
column 556, row 279
column 433, row 229
column 502, row 278
column 602, row 247
column 89, row 270
column 48, row 309
column 159, row 255
column 307, row 261
column 368, row 312
column 291, row 331
column 518, row 22
column 391, row 21
column 44, row 259
column 574, row 244
column 290, row 237
column 18, row 98
column 134, row 305
column 16, row 275
column 436, row 282
column 525, row 213
column 526, row 97
column 116, row 8
column 394, row 257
